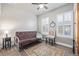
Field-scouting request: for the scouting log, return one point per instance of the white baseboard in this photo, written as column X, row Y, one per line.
column 64, row 44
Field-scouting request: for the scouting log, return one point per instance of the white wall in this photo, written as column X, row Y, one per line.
column 15, row 18
column 0, row 12
column 51, row 14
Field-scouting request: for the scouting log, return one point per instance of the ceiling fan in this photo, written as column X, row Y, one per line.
column 41, row 5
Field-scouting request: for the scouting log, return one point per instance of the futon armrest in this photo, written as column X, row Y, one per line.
column 16, row 39
column 17, row 42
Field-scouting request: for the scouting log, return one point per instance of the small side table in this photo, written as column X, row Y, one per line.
column 50, row 39
column 7, row 42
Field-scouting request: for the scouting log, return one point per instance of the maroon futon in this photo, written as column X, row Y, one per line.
column 25, row 38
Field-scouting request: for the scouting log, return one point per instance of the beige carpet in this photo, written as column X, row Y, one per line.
column 9, row 52
column 44, row 50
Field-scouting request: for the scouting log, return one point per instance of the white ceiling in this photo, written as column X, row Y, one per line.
column 28, row 7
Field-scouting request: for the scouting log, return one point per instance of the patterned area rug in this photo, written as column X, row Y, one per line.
column 41, row 49
column 44, row 50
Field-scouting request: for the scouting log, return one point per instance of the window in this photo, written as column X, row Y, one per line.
column 67, row 29
column 65, row 24
column 60, row 30
column 60, row 19
column 60, row 24
column 45, row 26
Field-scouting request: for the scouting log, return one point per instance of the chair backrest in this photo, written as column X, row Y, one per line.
column 52, row 33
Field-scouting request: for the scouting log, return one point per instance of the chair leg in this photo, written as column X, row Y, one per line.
column 52, row 42
column 10, row 44
column 49, row 40
column 46, row 40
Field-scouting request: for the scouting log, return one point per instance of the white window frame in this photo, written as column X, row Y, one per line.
column 63, row 35
column 43, row 22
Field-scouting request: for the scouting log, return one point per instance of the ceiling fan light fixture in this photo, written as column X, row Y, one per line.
column 41, row 6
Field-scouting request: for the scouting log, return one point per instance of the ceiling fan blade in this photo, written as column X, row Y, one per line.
column 38, row 8
column 38, row 3
column 45, row 3
column 35, row 3
column 45, row 7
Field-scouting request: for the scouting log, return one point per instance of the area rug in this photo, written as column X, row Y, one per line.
column 44, row 50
